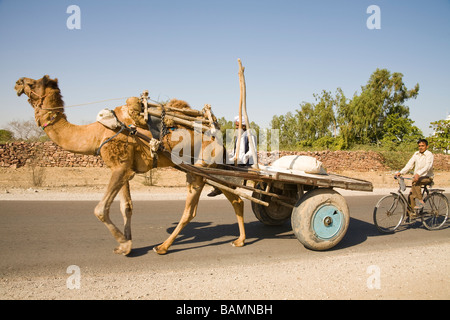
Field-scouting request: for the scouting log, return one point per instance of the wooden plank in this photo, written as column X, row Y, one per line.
column 237, row 192
column 248, row 175
column 328, row 181
column 202, row 172
column 188, row 118
column 190, row 112
column 190, row 124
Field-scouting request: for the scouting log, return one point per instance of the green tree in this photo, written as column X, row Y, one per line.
column 364, row 117
column 305, row 121
column 311, row 122
column 225, row 125
column 440, row 140
column 325, row 119
column 289, row 129
column 400, row 131
column 378, row 115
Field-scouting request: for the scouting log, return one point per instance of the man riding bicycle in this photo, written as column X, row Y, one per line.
column 422, row 162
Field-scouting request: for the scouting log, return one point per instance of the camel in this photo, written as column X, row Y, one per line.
column 124, row 154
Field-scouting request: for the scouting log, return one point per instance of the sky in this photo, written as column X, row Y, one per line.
column 188, row 49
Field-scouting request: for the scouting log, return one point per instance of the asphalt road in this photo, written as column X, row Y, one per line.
column 41, row 238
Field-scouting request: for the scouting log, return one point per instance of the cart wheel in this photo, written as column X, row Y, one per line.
column 273, row 215
column 320, row 219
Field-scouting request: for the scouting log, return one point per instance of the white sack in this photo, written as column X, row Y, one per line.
column 300, row 163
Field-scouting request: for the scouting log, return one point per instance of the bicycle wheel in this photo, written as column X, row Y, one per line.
column 435, row 211
column 388, row 213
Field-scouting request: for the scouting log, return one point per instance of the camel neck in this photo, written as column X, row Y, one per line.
column 71, row 137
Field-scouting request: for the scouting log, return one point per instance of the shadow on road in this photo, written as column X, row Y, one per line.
column 358, row 232
column 204, row 234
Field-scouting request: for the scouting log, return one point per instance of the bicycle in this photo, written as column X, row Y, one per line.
column 393, row 209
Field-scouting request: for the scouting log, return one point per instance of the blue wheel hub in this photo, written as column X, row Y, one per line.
column 327, row 222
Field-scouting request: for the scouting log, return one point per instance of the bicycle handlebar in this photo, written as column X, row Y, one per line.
column 402, row 178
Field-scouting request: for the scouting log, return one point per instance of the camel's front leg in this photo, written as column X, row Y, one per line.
column 118, row 178
column 126, row 207
column 238, row 206
column 195, row 187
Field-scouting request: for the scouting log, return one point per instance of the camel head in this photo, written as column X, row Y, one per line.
column 36, row 90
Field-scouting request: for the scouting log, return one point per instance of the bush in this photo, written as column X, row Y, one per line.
column 329, row 143
column 5, row 136
column 396, row 160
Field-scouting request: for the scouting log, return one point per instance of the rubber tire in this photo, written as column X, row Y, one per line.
column 265, row 214
column 274, row 215
column 376, row 213
column 445, row 201
column 304, row 212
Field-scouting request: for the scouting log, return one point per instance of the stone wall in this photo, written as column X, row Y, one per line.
column 340, row 160
column 44, row 154
column 359, row 161
column 47, row 154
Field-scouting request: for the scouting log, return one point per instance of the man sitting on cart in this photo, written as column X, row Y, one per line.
column 244, row 156
column 422, row 162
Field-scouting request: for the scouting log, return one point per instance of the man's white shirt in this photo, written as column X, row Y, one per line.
column 422, row 164
column 244, row 157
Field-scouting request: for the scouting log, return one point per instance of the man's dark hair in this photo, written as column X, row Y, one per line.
column 423, row 140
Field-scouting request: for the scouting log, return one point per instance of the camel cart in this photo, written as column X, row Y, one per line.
column 319, row 214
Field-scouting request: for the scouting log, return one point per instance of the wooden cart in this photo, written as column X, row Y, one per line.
column 319, row 214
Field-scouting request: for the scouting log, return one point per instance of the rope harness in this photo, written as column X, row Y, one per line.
column 39, row 105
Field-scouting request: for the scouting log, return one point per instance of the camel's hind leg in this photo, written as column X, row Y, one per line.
column 238, row 206
column 118, row 178
column 195, row 187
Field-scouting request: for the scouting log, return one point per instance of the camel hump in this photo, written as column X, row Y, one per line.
column 135, row 109
column 134, row 103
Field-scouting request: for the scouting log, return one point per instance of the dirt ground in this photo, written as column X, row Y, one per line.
column 86, row 181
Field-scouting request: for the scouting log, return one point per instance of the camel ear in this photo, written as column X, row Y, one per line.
column 56, row 80
column 45, row 79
